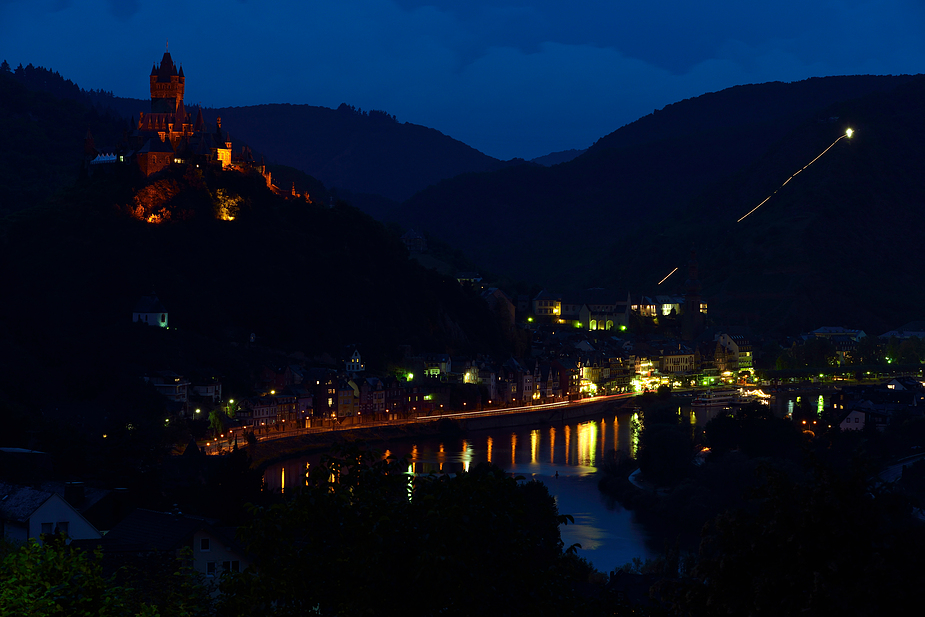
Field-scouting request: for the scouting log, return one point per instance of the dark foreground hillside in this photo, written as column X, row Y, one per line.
column 555, row 225
column 840, row 244
column 303, row 278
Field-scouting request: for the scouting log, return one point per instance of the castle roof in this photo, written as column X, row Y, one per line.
column 156, row 145
column 149, row 304
column 179, row 116
column 167, row 69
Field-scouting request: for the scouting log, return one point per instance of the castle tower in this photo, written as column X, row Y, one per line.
column 692, row 320
column 166, row 86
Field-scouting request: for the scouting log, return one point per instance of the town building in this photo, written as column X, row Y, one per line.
column 150, row 311
column 29, row 513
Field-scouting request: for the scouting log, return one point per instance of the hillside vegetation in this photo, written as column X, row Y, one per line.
column 553, row 225
column 838, row 245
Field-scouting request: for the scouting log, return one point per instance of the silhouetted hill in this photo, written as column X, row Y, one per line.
column 555, row 158
column 362, row 152
column 839, row 245
column 553, row 225
column 301, row 275
column 42, row 139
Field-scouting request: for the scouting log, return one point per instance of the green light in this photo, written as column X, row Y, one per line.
column 622, row 327
column 529, row 319
column 410, row 376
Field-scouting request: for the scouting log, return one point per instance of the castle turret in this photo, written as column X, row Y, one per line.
column 166, row 86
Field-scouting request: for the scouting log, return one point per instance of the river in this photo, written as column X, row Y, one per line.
column 565, row 456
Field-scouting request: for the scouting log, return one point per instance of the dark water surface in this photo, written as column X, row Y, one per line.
column 609, row 535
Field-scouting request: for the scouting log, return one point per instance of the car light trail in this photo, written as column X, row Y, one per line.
column 666, row 278
column 847, row 134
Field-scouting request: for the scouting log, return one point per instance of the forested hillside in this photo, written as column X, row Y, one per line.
column 838, row 245
column 554, row 225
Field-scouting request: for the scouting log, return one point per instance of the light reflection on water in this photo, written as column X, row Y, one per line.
column 564, row 456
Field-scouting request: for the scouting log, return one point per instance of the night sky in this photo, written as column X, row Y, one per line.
column 508, row 77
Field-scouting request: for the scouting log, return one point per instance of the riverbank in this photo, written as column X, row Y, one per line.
column 264, row 453
column 267, row 452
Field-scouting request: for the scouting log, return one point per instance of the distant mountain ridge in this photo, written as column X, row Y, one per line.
column 554, row 158
column 367, row 156
column 553, row 225
column 363, row 152
column 838, row 245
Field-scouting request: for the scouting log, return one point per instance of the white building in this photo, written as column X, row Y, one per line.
column 26, row 512
column 149, row 310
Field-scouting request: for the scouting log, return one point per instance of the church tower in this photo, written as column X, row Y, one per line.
column 166, row 86
column 692, row 319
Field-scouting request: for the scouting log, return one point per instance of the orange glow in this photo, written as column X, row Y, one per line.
column 567, row 440
column 552, row 444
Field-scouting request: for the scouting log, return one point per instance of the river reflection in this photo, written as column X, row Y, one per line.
column 565, row 456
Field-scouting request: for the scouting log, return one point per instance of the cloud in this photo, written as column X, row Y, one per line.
column 510, row 77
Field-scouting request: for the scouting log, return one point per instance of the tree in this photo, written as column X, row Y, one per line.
column 868, row 351
column 217, row 421
column 53, row 579
column 665, row 445
column 831, row 545
column 364, row 532
column 755, row 431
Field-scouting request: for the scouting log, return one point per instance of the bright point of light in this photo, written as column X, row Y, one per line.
column 848, row 134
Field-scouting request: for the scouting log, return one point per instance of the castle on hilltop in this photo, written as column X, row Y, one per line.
column 170, row 134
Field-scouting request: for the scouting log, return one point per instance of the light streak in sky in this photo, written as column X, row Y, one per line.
column 847, row 134
column 666, row 278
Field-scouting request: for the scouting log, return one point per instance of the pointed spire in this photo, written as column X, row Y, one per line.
column 179, row 117
column 199, row 121
column 89, row 147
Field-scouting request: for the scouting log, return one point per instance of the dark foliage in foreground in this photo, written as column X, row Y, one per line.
column 365, row 537
column 830, row 545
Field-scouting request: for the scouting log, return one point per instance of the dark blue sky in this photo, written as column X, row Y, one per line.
column 508, row 77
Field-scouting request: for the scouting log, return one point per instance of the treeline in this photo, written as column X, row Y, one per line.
column 306, row 279
column 375, row 114
column 45, row 120
column 773, row 519
column 869, row 353
column 40, row 79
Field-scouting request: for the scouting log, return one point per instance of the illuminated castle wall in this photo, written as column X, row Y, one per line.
column 169, row 133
